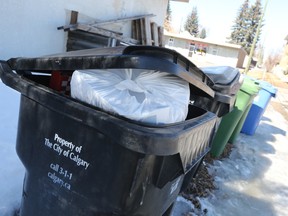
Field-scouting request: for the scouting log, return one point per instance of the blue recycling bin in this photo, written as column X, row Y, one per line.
column 258, row 107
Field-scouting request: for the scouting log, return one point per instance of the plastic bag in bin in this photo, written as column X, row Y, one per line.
column 142, row 95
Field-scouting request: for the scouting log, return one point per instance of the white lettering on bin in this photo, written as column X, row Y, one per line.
column 67, row 149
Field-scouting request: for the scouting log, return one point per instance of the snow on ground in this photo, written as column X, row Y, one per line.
column 11, row 169
column 252, row 181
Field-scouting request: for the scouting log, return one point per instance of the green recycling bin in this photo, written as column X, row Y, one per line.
column 239, row 125
column 231, row 124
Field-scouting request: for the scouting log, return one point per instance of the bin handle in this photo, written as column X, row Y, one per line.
column 11, row 78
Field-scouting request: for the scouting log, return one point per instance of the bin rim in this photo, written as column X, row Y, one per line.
column 250, row 86
column 268, row 87
column 53, row 101
column 134, row 57
column 264, row 85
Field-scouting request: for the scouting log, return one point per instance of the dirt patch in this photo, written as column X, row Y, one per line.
column 280, row 108
column 268, row 77
column 203, row 184
column 280, row 105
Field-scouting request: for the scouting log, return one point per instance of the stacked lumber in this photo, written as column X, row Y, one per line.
column 96, row 34
column 148, row 33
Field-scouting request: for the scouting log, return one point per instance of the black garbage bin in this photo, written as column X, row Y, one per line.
column 81, row 160
column 227, row 83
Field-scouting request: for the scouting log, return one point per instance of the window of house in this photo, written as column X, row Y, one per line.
column 171, row 42
column 191, row 47
column 214, row 51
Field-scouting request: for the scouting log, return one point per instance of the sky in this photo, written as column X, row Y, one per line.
column 219, row 16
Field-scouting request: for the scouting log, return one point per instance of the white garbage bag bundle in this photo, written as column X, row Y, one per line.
column 142, row 95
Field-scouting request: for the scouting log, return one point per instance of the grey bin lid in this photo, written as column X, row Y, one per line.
column 227, row 83
column 226, row 79
column 222, row 75
column 137, row 57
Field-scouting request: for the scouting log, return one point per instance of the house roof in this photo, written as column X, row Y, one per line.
column 187, row 36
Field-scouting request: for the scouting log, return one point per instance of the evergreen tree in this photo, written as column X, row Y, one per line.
column 191, row 24
column 246, row 23
column 202, row 33
column 238, row 35
column 168, row 18
column 255, row 13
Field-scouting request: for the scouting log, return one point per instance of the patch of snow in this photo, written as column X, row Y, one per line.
column 11, row 169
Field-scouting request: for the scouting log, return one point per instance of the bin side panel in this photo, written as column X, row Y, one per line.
column 73, row 169
column 252, row 120
column 256, row 112
column 81, row 164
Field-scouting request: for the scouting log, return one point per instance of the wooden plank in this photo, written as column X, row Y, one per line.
column 84, row 40
column 154, row 30
column 138, row 30
column 106, row 33
column 74, row 17
column 134, row 29
column 112, row 42
column 73, row 21
column 120, row 20
column 105, row 29
column 160, row 35
column 142, row 29
column 148, row 38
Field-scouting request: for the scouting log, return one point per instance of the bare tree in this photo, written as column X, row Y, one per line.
column 271, row 61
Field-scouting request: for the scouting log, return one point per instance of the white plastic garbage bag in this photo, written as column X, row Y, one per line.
column 143, row 95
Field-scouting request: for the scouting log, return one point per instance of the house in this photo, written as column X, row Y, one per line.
column 215, row 53
column 29, row 27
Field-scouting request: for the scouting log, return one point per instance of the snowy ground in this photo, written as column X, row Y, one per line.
column 11, row 169
column 253, row 181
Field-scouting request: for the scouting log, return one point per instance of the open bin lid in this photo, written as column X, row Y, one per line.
column 227, row 83
column 268, row 87
column 225, row 78
column 265, row 86
column 137, row 57
column 250, row 86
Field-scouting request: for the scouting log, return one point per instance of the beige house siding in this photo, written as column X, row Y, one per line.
column 216, row 53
